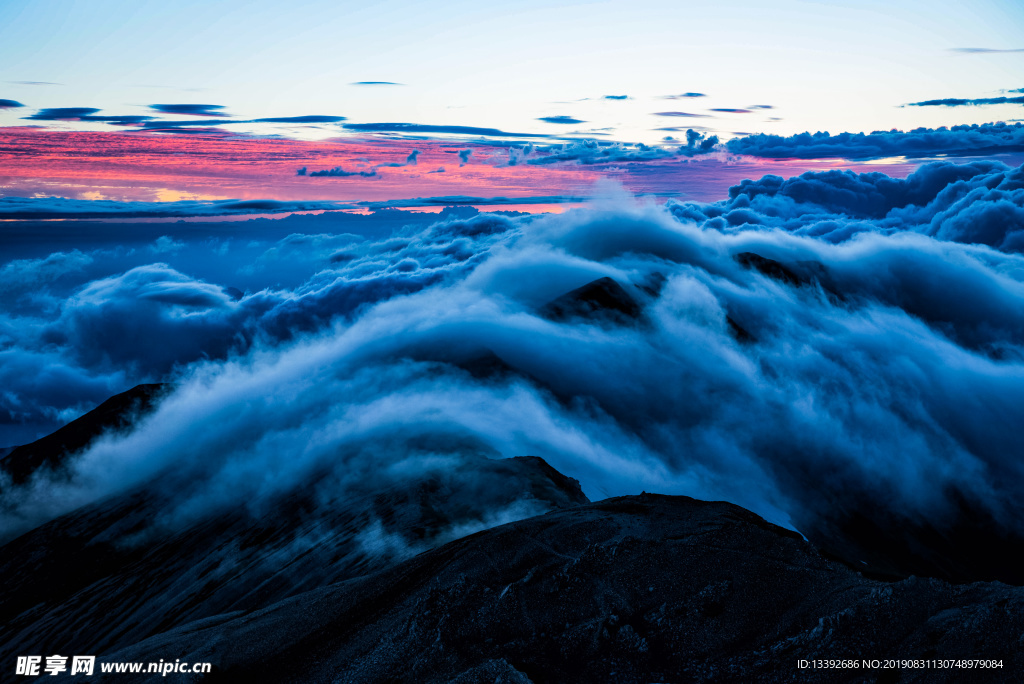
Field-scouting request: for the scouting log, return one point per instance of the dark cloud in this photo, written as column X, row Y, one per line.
column 21, row 208
column 85, row 114
column 308, row 118
column 376, row 83
column 762, row 107
column 682, row 96
column 601, row 152
column 57, row 207
column 411, row 160
column 597, row 152
column 615, row 97
column 426, row 128
column 976, row 139
column 560, row 120
column 732, row 111
column 464, row 156
column 34, row 83
column 698, row 143
column 9, row 104
column 338, row 172
column 165, row 125
column 684, row 114
column 189, row 109
column 959, row 102
column 977, row 50
column 62, row 113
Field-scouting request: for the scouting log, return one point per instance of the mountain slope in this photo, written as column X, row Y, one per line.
column 634, row 589
column 51, row 451
column 113, row 573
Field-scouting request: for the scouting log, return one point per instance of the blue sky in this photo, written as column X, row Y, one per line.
column 820, row 65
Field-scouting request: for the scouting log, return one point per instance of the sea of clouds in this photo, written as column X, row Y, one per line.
column 878, row 367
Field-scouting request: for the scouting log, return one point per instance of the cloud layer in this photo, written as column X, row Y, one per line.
column 812, row 348
column 985, row 139
column 60, row 207
column 960, row 102
column 189, row 109
column 976, row 203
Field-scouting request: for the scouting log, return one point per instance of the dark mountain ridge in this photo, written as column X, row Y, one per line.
column 632, row 589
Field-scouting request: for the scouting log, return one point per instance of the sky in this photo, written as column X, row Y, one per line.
column 832, row 66
column 143, row 101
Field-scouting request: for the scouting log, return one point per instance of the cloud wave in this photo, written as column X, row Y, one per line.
column 821, row 349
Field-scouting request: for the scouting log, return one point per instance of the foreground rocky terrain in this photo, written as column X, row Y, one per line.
column 634, row 589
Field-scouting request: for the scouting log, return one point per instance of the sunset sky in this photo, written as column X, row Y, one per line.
column 139, row 101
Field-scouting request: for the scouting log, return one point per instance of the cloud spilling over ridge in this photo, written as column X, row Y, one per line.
column 698, row 143
column 879, row 371
column 71, row 324
column 988, row 138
